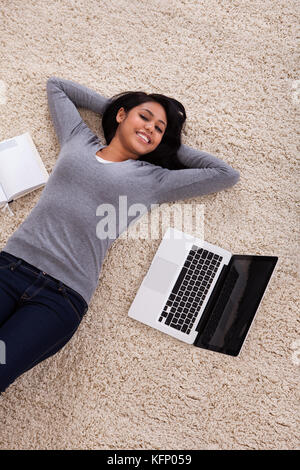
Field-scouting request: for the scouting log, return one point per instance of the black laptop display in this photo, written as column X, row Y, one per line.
column 231, row 308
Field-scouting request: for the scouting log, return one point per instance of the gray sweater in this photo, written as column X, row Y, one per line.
column 62, row 235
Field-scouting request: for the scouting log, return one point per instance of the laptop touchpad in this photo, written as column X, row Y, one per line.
column 161, row 275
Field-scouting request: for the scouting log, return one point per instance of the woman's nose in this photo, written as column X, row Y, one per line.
column 149, row 126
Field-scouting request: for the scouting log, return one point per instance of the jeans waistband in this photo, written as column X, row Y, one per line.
column 57, row 282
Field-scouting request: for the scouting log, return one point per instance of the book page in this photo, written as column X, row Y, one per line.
column 21, row 167
column 26, row 191
column 3, row 198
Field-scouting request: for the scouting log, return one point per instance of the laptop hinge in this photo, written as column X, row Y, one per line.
column 213, row 298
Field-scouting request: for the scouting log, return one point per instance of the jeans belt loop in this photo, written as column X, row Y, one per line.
column 16, row 265
column 61, row 287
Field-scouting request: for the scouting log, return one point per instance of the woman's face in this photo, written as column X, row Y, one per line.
column 148, row 119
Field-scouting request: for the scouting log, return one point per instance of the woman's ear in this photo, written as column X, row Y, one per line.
column 121, row 114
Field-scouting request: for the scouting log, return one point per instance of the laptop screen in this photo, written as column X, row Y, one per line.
column 228, row 315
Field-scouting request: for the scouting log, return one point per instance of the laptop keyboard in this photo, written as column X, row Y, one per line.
column 190, row 289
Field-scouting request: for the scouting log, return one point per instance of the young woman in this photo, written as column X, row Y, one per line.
column 49, row 267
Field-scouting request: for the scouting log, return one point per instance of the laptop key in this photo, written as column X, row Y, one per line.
column 179, row 280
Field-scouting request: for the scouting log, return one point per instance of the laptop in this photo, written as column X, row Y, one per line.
column 202, row 294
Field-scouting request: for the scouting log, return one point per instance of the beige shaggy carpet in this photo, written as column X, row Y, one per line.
column 119, row 384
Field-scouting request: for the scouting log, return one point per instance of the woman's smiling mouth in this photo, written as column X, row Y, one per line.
column 143, row 138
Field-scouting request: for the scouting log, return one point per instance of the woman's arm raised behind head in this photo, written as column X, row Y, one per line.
column 64, row 96
column 205, row 174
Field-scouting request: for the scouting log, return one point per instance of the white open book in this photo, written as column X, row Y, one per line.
column 21, row 168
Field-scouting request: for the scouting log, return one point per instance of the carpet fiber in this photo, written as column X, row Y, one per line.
column 119, row 384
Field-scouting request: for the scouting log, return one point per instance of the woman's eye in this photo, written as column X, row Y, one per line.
column 145, row 119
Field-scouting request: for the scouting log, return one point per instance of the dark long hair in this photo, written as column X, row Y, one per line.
column 165, row 154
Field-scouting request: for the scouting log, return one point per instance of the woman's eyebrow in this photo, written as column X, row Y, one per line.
column 153, row 115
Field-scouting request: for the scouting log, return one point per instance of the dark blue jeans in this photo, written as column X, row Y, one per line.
column 38, row 316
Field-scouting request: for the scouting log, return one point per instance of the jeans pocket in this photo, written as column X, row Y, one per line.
column 71, row 302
